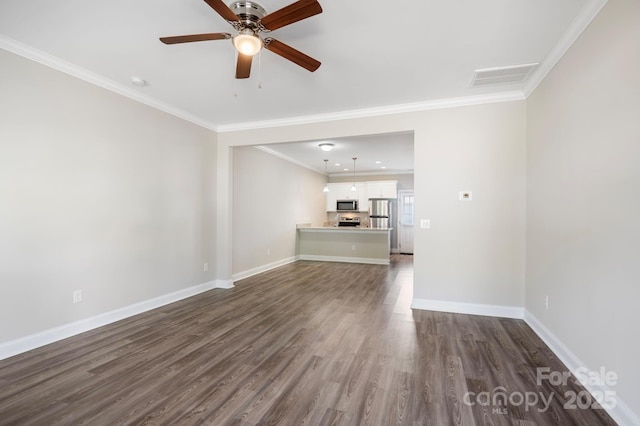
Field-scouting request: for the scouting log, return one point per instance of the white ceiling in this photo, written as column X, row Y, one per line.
column 376, row 154
column 375, row 54
column 377, row 57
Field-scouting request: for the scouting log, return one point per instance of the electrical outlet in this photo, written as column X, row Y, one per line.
column 353, row 247
column 268, row 252
column 77, row 296
column 205, row 267
column 466, row 195
column 546, row 302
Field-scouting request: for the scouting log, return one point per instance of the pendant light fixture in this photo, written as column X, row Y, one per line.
column 353, row 187
column 326, row 185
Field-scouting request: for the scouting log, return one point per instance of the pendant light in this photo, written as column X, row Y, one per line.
column 326, row 185
column 353, row 187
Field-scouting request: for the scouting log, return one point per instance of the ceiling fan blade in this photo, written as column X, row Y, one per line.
column 288, row 52
column 295, row 12
column 223, row 10
column 194, row 37
column 243, row 66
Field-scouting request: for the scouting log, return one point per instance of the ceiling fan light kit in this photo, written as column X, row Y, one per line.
column 247, row 43
column 250, row 19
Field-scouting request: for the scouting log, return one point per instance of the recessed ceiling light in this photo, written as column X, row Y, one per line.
column 378, row 162
column 383, row 167
column 139, row 82
column 326, row 146
column 337, row 164
column 346, row 170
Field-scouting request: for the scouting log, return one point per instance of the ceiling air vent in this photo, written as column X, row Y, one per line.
column 501, row 75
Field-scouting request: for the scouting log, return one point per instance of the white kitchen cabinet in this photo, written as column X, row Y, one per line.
column 363, row 196
column 365, row 190
column 338, row 191
column 382, row 189
column 342, row 191
column 332, row 196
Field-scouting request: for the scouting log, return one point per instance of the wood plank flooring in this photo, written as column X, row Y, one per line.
column 308, row 343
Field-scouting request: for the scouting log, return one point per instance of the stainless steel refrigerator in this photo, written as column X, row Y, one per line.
column 379, row 213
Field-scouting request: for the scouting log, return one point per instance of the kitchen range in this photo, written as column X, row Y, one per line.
column 348, row 221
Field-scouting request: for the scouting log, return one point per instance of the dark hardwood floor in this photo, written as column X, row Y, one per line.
column 308, row 343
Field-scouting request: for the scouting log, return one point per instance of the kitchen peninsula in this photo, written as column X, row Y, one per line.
column 344, row 244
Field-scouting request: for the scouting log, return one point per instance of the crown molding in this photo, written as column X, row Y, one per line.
column 58, row 64
column 588, row 12
column 372, row 173
column 330, row 175
column 515, row 95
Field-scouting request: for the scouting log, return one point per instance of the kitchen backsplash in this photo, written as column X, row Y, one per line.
column 333, row 218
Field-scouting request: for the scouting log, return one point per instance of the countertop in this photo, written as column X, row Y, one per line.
column 341, row 229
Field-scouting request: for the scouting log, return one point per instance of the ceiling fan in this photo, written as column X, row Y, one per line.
column 249, row 20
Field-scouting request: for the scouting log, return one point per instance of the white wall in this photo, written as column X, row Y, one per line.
column 98, row 193
column 474, row 252
column 583, row 203
column 271, row 196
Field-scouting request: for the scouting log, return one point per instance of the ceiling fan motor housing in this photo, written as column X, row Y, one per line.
column 249, row 13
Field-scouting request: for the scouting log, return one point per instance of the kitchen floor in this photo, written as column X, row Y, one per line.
column 309, row 342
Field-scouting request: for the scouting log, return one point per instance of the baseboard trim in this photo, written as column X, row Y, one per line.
column 344, row 259
column 468, row 308
column 226, row 284
column 621, row 413
column 33, row 341
column 262, row 268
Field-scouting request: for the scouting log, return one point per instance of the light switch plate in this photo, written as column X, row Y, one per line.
column 425, row 223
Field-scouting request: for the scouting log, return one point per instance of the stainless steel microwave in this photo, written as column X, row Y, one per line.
column 347, row 205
